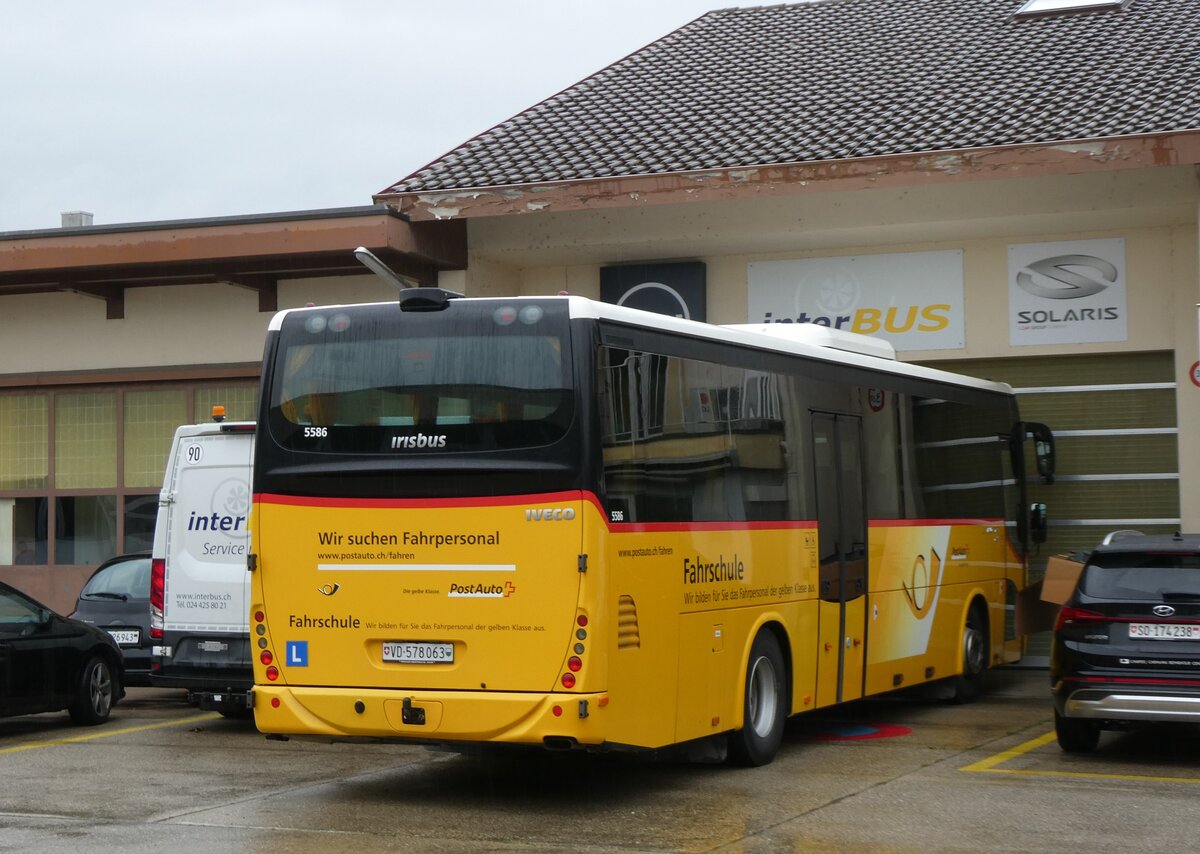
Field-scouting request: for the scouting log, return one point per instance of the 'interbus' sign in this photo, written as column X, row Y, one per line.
column 913, row 299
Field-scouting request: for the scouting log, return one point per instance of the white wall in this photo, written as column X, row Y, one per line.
column 167, row 326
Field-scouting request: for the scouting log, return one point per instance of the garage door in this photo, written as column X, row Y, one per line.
column 1114, row 419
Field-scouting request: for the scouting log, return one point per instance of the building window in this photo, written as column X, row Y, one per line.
column 85, row 529
column 81, row 467
column 25, row 451
column 150, row 421
column 240, row 402
column 85, row 441
column 23, row 526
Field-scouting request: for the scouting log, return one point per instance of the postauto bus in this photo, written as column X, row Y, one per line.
column 558, row 522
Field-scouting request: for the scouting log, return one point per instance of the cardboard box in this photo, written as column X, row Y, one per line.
column 1062, row 573
column 1038, row 604
column 1035, row 614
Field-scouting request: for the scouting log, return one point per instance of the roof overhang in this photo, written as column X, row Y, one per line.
column 253, row 252
column 1012, row 161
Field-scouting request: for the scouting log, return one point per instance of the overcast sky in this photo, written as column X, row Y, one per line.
column 140, row 110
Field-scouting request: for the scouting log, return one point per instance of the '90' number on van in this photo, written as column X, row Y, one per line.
column 195, row 453
column 316, row 432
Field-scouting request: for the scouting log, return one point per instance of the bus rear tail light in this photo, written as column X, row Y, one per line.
column 568, row 680
column 158, row 573
column 272, row 673
column 266, row 657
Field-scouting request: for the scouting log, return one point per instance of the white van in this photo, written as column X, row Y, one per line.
column 199, row 584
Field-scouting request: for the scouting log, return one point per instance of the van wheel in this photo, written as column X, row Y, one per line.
column 1076, row 735
column 95, row 692
column 764, row 705
column 969, row 684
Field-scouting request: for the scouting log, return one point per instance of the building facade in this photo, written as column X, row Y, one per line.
column 1024, row 207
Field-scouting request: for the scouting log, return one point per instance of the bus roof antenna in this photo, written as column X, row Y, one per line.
column 382, row 270
column 413, row 297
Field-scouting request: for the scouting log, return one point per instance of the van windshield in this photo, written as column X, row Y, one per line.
column 480, row 375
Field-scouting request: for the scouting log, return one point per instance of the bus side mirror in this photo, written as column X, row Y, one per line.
column 1043, row 449
column 1037, row 522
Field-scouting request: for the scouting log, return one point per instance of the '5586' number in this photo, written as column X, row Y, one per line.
column 316, row 432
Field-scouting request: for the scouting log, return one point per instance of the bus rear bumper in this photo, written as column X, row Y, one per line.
column 551, row 720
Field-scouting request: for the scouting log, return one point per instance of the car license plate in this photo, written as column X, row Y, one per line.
column 126, row 637
column 418, row 652
column 1164, row 631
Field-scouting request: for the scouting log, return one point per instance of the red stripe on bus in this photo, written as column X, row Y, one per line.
column 927, row 523
column 662, row 527
column 478, row 501
column 616, row 527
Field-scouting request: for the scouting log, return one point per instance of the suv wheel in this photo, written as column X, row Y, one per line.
column 1076, row 735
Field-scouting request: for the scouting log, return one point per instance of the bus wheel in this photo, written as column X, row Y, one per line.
column 975, row 657
column 764, row 705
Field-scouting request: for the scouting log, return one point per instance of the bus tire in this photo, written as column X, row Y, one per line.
column 764, row 705
column 95, row 692
column 968, row 685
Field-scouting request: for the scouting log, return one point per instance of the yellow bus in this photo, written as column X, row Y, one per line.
column 558, row 522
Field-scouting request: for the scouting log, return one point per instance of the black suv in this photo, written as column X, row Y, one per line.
column 1127, row 641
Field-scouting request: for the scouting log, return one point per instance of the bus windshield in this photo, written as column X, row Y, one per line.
column 482, row 375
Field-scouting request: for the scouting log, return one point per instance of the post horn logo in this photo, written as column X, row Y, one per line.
column 1068, row 283
column 329, row 589
column 917, row 589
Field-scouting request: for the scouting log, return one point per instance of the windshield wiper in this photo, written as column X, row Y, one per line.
column 106, row 595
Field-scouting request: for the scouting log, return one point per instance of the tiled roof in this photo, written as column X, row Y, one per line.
column 837, row 79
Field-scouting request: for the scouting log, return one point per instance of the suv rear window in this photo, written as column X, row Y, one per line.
column 1142, row 576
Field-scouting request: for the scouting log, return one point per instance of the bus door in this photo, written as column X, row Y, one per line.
column 842, row 546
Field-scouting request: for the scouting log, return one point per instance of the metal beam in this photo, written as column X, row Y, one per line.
column 267, row 288
column 113, row 296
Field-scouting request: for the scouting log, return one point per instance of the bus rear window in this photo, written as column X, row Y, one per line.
column 480, row 375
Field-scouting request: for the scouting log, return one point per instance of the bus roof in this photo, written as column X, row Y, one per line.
column 801, row 339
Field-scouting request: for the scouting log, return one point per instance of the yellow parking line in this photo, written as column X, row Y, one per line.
column 108, row 733
column 989, row 764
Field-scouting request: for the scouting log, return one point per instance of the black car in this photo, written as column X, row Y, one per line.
column 117, row 599
column 1127, row 642
column 49, row 662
